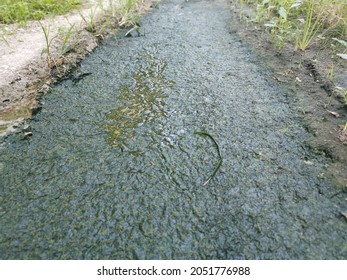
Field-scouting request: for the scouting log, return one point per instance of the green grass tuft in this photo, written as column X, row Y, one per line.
column 20, row 11
column 304, row 22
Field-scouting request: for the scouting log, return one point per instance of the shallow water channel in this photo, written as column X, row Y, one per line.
column 113, row 169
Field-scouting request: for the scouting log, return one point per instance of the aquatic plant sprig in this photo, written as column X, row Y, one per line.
column 219, row 163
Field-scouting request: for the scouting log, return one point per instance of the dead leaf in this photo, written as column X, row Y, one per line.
column 344, row 214
column 335, row 114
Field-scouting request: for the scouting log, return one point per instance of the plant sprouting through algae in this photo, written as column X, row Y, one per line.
column 143, row 101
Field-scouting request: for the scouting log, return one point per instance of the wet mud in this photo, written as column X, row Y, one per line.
column 111, row 166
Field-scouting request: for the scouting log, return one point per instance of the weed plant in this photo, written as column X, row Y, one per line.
column 302, row 22
column 67, row 44
column 48, row 41
column 311, row 26
column 67, row 37
column 89, row 20
column 129, row 16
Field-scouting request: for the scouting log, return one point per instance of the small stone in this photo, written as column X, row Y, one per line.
column 28, row 134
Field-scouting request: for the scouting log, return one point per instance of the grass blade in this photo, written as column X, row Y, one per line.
column 219, row 163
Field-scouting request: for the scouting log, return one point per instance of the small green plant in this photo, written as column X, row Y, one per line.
column 342, row 42
column 48, row 41
column 298, row 21
column 331, row 73
column 89, row 20
column 129, row 16
column 311, row 26
column 135, row 28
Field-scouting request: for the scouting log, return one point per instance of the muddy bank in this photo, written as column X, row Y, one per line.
column 112, row 168
column 319, row 103
column 28, row 72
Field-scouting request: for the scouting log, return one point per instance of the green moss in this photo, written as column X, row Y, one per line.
column 143, row 101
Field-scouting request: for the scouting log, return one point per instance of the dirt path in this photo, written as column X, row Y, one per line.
column 111, row 166
column 24, row 70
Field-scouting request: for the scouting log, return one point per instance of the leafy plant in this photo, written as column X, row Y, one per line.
column 298, row 21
